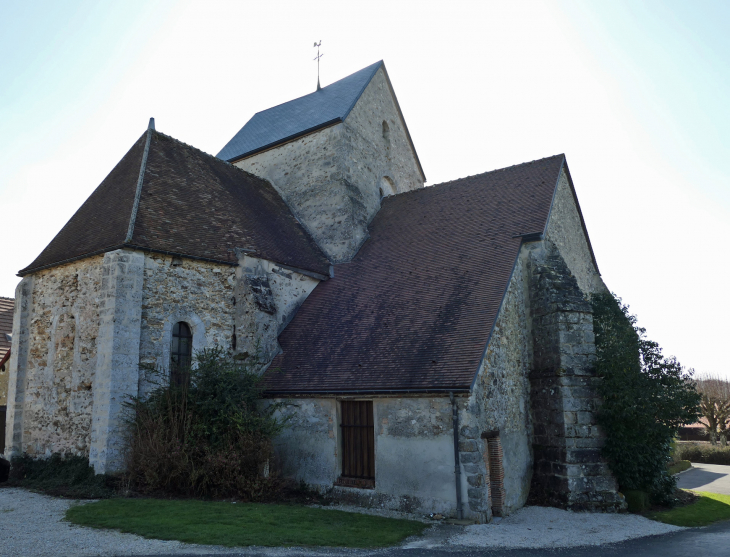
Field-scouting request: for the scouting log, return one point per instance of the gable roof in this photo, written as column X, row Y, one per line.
column 300, row 116
column 414, row 310
column 325, row 107
column 166, row 196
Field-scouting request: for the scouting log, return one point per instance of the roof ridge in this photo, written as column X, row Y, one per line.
column 6, row 298
column 140, row 181
column 380, row 62
column 455, row 180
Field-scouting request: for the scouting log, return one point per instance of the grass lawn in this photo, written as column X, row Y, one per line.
column 709, row 508
column 241, row 524
column 680, row 466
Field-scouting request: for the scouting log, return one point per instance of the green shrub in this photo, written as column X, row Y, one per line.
column 637, row 500
column 61, row 475
column 707, row 454
column 208, row 436
column 646, row 398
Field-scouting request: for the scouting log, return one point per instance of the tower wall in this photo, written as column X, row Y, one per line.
column 333, row 179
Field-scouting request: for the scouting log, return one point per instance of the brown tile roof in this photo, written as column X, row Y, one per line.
column 6, row 323
column 191, row 204
column 414, row 309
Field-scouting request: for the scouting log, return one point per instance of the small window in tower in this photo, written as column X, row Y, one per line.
column 386, row 131
column 181, row 353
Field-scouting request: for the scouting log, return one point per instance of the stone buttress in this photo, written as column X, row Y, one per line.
column 569, row 471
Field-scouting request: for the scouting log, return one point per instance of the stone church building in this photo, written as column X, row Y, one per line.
column 434, row 344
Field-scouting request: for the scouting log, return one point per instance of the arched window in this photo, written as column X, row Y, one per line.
column 387, row 187
column 181, row 353
column 386, row 131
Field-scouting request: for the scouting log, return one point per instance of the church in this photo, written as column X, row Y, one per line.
column 434, row 345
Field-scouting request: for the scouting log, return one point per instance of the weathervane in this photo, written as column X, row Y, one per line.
column 317, row 45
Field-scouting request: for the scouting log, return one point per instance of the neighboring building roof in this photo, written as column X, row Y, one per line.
column 285, row 122
column 413, row 311
column 190, row 204
column 6, row 323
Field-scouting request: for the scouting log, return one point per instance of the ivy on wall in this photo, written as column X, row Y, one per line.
column 646, row 397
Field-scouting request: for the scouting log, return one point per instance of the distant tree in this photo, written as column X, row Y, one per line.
column 646, row 398
column 715, row 407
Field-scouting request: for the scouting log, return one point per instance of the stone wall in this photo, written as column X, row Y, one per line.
column 376, row 148
column 500, row 403
column 116, row 377
column 332, row 179
column 569, row 471
column 53, row 362
column 177, row 289
column 414, row 452
column 565, row 231
column 267, row 298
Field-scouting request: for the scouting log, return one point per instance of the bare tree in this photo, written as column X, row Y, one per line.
column 715, row 407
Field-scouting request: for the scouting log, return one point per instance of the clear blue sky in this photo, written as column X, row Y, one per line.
column 635, row 93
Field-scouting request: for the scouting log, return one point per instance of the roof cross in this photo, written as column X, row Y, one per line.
column 317, row 45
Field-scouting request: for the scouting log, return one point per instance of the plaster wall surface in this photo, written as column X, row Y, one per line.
column 500, row 401
column 307, row 448
column 414, row 452
column 198, row 293
column 565, row 231
column 53, row 361
column 331, row 179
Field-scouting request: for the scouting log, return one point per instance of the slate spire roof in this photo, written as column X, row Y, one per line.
column 326, row 106
column 188, row 203
column 414, row 309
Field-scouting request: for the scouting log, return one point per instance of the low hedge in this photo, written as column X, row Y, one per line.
column 707, row 454
column 61, row 476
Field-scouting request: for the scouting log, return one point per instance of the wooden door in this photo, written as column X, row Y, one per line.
column 358, row 439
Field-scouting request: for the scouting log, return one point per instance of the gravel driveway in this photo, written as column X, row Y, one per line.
column 532, row 527
column 31, row 525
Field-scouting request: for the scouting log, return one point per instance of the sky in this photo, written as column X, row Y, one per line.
column 634, row 93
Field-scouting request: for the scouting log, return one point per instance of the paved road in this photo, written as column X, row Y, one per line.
column 711, row 541
column 706, row 477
